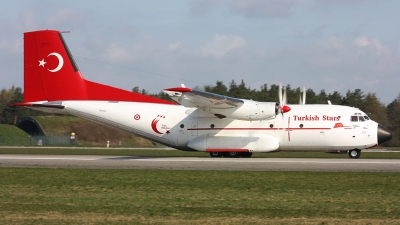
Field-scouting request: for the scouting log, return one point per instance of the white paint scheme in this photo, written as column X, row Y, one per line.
column 203, row 121
column 191, row 129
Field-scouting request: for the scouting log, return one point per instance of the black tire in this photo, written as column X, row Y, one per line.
column 216, row 154
column 247, row 154
column 234, row 154
column 355, row 153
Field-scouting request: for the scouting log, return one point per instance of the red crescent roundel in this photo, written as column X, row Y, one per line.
column 154, row 125
column 137, row 117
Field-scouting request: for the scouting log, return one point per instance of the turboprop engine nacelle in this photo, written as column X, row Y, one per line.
column 250, row 110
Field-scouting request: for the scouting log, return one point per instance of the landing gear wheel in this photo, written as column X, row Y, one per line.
column 355, row 153
column 216, row 154
column 234, row 154
column 246, row 154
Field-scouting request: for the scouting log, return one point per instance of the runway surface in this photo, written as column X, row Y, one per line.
column 199, row 163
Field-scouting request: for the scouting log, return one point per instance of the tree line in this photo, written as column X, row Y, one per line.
column 387, row 115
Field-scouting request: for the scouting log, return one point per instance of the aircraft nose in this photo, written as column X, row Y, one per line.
column 384, row 134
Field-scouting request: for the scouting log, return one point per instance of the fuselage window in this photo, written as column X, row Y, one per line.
column 354, row 119
column 360, row 118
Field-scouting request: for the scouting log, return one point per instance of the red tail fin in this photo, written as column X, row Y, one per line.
column 51, row 74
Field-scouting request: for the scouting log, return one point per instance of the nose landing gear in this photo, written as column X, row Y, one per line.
column 354, row 153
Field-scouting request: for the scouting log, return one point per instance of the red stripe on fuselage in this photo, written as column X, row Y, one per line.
column 259, row 128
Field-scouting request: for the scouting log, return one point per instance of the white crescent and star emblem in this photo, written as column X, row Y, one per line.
column 60, row 62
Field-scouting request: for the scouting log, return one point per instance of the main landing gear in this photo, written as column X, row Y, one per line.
column 231, row 154
column 355, row 153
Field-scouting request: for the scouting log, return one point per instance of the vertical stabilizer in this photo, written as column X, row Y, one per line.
column 51, row 74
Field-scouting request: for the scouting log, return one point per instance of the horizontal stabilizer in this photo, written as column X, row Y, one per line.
column 53, row 106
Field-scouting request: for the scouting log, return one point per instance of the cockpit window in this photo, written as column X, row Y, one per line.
column 366, row 117
column 354, row 119
column 361, row 118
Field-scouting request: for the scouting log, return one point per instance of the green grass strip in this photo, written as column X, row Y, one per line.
column 177, row 153
column 66, row 196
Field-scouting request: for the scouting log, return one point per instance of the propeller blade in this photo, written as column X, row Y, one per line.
column 284, row 97
column 300, row 101
column 283, row 101
column 280, row 95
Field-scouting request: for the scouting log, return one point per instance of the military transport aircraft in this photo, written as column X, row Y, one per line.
column 202, row 121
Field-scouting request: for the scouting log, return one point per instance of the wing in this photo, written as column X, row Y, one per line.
column 223, row 106
column 193, row 98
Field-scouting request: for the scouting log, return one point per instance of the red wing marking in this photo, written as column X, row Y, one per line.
column 179, row 89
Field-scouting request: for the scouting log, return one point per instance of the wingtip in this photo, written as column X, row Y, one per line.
column 179, row 89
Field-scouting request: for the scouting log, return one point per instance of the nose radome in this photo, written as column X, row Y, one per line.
column 384, row 134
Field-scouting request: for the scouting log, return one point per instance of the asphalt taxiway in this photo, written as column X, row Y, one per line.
column 199, row 163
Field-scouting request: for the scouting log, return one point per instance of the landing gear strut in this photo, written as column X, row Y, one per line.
column 216, row 154
column 246, row 154
column 234, row 154
column 355, row 153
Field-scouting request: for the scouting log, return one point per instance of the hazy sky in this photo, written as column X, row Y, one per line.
column 336, row 45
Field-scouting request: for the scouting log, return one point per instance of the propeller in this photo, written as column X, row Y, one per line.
column 283, row 107
column 302, row 101
column 283, row 100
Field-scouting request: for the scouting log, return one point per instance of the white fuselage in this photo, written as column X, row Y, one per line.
column 304, row 128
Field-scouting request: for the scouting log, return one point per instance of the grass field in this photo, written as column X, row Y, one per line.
column 12, row 135
column 79, row 196
column 74, row 196
column 177, row 153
